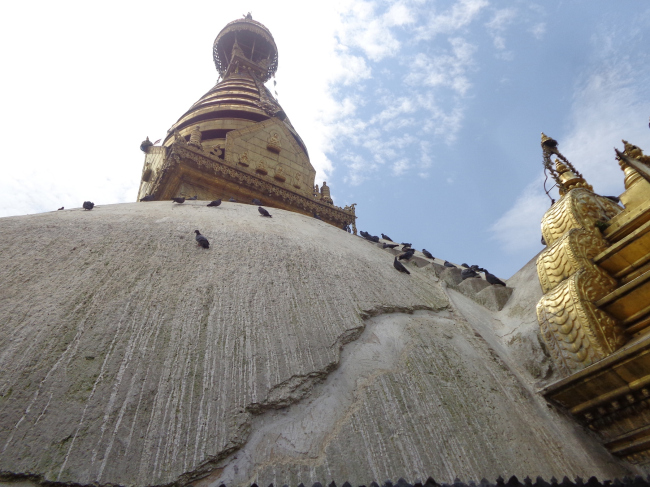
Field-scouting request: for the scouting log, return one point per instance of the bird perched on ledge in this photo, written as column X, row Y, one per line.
column 427, row 254
column 60, row 208
column 389, row 246
column 214, row 203
column 178, row 200
column 201, row 240
column 405, row 245
column 407, row 255
column 263, row 212
column 467, row 273
column 399, row 266
column 256, row 202
column 386, row 237
column 448, row 264
column 492, row 279
column 147, row 198
column 88, row 205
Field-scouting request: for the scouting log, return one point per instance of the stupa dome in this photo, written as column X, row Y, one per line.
column 289, row 351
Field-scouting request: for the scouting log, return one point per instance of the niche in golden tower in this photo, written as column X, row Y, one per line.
column 236, row 141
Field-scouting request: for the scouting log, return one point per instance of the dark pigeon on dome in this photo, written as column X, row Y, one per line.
column 427, row 254
column 317, row 216
column 492, row 279
column 465, row 266
column 232, row 200
column 178, row 200
column 147, row 198
column 201, row 240
column 406, row 245
column 214, row 203
column 407, row 255
column 386, row 237
column 195, row 197
column 88, row 205
column 399, row 266
column 374, row 238
column 390, row 246
column 448, row 264
column 257, row 202
column 263, row 212
column 60, row 208
column 467, row 273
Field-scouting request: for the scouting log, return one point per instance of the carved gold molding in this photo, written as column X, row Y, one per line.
column 579, row 208
column 576, row 332
column 180, row 151
column 571, row 253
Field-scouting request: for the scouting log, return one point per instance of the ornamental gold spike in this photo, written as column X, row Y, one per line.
column 565, row 175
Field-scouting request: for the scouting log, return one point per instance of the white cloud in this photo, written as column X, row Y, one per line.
column 498, row 24
column 518, row 229
column 461, row 14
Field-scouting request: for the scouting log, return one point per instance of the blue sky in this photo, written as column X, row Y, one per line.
column 427, row 114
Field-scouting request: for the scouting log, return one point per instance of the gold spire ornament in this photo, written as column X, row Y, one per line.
column 565, row 175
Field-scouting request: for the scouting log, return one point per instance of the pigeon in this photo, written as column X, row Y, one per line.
column 407, row 255
column 214, row 203
column 257, row 202
column 467, row 273
column 263, row 212
column 427, row 254
column 195, row 197
column 492, row 279
column 448, row 264
column 147, row 198
column 232, row 200
column 317, row 216
column 465, row 266
column 88, row 205
column 406, row 245
column 399, row 266
column 60, row 208
column 386, row 237
column 178, row 200
column 374, row 238
column 203, row 242
column 390, row 246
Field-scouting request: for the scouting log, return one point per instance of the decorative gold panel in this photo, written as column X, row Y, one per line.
column 575, row 251
column 576, row 332
column 579, row 208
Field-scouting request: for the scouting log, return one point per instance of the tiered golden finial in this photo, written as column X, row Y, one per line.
column 565, row 175
column 633, row 151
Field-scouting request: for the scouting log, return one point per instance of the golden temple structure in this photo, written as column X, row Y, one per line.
column 236, row 141
column 595, row 313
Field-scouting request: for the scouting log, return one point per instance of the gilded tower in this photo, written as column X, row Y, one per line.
column 236, row 142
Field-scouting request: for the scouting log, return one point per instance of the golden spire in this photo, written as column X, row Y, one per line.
column 565, row 175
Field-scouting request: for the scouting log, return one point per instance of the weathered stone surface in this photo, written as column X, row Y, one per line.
column 494, row 296
column 471, row 286
column 451, row 275
column 131, row 356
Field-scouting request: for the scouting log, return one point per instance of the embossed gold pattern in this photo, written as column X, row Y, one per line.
column 576, row 332
column 573, row 252
column 579, row 208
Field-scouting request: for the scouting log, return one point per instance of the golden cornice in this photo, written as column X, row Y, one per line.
column 206, row 162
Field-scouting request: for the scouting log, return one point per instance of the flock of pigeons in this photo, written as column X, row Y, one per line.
column 408, row 252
